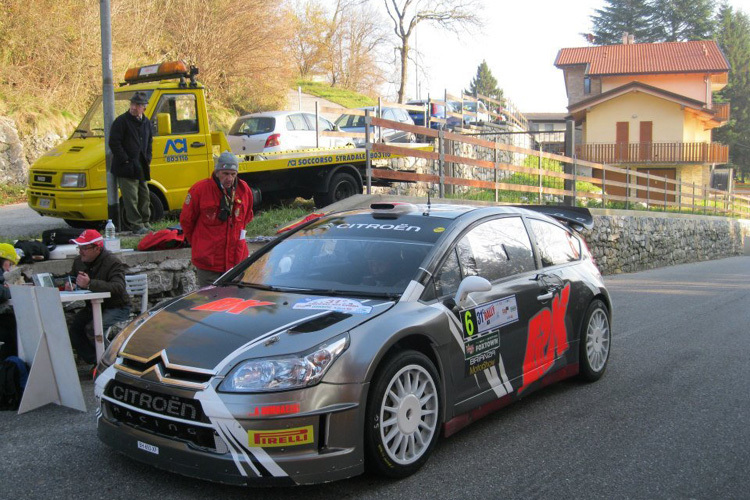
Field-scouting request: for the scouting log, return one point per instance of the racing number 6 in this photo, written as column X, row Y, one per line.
column 468, row 324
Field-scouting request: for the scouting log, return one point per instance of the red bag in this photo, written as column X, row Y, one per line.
column 164, row 239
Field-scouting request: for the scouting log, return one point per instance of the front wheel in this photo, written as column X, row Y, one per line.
column 404, row 412
column 596, row 336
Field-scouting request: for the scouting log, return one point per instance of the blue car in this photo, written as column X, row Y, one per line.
column 435, row 111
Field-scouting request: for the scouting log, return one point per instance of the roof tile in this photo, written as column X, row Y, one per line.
column 647, row 58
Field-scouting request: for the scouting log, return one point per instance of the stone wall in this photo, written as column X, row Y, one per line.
column 624, row 243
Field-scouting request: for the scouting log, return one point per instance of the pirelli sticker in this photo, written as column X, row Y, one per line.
column 280, row 438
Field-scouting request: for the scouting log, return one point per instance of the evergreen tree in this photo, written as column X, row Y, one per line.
column 680, row 20
column 733, row 36
column 484, row 83
column 623, row 16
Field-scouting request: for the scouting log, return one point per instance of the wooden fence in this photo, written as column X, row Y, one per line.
column 606, row 186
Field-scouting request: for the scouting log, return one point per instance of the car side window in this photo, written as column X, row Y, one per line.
column 449, row 276
column 556, row 245
column 500, row 248
column 324, row 124
column 296, row 122
column 183, row 113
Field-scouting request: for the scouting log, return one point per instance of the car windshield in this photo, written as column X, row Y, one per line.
column 356, row 256
column 253, row 125
column 92, row 124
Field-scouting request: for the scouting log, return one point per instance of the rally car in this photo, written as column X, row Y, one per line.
column 354, row 341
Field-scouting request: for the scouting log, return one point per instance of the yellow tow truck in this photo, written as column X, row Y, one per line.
column 69, row 181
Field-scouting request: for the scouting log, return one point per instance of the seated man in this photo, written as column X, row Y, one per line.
column 98, row 270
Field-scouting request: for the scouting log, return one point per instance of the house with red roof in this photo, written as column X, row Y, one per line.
column 648, row 107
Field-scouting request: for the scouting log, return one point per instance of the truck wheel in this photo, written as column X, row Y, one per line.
column 157, row 208
column 342, row 186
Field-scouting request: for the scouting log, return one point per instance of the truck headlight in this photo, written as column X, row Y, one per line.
column 280, row 374
column 71, row 180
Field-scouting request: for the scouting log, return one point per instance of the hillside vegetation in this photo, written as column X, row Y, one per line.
column 51, row 71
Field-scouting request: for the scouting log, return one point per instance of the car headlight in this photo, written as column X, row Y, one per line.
column 70, row 180
column 280, row 374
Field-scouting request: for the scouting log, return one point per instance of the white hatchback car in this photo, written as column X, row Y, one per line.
column 273, row 131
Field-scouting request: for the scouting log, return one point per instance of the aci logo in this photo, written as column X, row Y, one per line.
column 177, row 145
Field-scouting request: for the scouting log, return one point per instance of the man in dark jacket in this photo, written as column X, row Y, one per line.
column 98, row 270
column 130, row 140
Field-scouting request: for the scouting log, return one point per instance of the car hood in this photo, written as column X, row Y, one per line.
column 211, row 327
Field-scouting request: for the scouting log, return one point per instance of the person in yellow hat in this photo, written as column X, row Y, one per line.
column 8, row 259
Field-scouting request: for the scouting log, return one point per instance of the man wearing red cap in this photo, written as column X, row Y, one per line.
column 213, row 218
column 98, row 270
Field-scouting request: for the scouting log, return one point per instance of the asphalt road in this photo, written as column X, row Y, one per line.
column 668, row 420
column 18, row 221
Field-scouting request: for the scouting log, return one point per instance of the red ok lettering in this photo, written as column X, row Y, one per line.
column 231, row 305
column 547, row 339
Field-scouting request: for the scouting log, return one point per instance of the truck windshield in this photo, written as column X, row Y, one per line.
column 92, row 124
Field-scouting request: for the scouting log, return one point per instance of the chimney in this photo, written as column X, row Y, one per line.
column 625, row 38
column 631, row 39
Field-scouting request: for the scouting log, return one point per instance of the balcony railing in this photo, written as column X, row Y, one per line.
column 721, row 111
column 654, row 152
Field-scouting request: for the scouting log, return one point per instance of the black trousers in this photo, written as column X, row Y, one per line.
column 8, row 336
column 82, row 331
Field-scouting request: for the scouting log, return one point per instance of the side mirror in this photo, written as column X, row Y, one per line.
column 164, row 123
column 469, row 285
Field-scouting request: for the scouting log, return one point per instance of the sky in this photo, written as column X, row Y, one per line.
column 519, row 41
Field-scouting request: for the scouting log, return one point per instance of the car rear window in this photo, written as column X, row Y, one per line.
column 254, row 125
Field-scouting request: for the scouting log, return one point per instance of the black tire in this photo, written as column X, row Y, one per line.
column 157, row 210
column 342, row 185
column 157, row 207
column 84, row 224
column 399, row 442
column 595, row 342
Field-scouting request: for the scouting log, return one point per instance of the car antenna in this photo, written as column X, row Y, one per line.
column 427, row 212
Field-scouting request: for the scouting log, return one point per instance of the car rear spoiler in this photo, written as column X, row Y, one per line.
column 575, row 217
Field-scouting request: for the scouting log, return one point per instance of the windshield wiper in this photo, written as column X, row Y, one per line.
column 257, row 286
column 349, row 293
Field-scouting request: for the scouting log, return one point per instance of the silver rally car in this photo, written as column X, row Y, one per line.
column 355, row 340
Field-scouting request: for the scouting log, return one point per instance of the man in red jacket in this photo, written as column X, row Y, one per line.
column 214, row 217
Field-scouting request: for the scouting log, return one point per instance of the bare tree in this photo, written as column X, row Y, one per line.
column 447, row 14
column 307, row 44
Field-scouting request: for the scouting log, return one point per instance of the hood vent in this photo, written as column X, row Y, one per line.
column 320, row 323
column 75, row 149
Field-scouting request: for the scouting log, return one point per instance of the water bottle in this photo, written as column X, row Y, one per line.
column 109, row 230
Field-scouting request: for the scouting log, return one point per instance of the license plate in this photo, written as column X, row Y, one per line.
column 45, row 202
column 147, row 447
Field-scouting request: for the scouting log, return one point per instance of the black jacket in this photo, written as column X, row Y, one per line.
column 107, row 274
column 4, row 292
column 130, row 141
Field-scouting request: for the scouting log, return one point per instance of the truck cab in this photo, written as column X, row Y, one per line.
column 70, row 180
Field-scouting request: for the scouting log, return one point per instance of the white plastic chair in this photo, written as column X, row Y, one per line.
column 137, row 284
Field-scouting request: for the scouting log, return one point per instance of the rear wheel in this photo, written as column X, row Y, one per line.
column 342, row 185
column 404, row 412
column 595, row 342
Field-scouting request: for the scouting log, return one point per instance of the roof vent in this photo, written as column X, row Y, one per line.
column 393, row 208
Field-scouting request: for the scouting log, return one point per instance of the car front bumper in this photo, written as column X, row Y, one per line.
column 245, row 439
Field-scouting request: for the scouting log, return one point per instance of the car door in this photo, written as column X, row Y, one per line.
column 569, row 295
column 488, row 364
column 300, row 134
column 181, row 156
